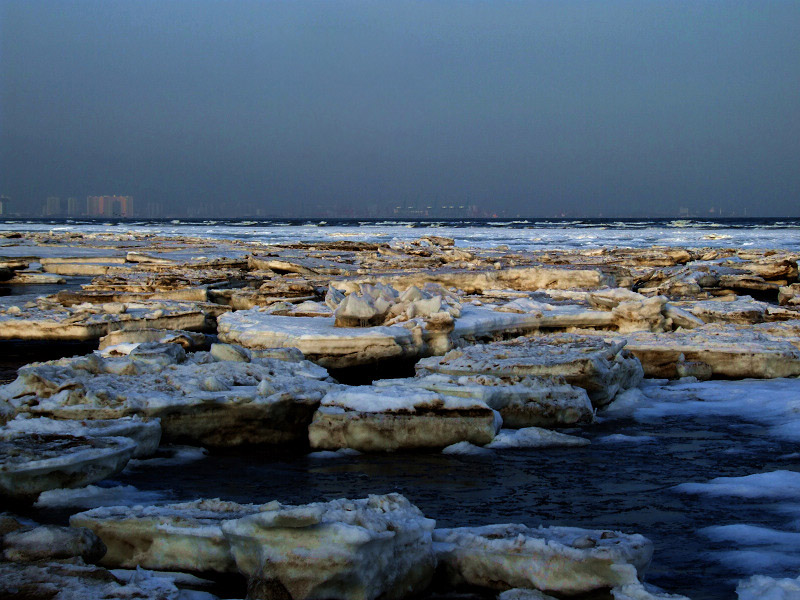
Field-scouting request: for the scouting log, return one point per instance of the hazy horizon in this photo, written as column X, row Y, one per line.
column 535, row 109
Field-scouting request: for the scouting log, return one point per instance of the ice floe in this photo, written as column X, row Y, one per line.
column 347, row 549
column 534, row 437
column 145, row 432
column 557, row 559
column 198, row 398
column 603, row 369
column 386, row 418
column 33, row 463
column 183, row 536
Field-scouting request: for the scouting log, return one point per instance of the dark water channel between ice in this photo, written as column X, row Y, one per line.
column 624, row 486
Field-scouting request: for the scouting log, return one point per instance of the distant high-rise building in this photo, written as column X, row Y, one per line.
column 73, row 207
column 5, row 201
column 52, row 206
column 109, row 206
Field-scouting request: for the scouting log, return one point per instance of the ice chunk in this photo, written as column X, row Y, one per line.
column 145, row 432
column 387, row 418
column 523, row 594
column 184, row 536
column 343, row 549
column 33, row 463
column 599, row 367
column 465, row 448
column 730, row 351
column 557, row 559
column 198, row 399
column 521, row 401
column 755, row 549
column 534, row 437
column 318, row 339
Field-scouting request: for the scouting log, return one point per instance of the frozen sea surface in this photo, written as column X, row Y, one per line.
column 516, row 234
column 717, row 490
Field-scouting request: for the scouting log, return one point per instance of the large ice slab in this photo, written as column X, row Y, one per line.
column 33, row 463
column 387, row 418
column 319, row 339
column 728, row 351
column 378, row 547
column 599, row 367
column 183, row 536
column 198, row 398
column 521, row 401
column 518, row 278
column 49, row 320
column 565, row 560
column 145, row 432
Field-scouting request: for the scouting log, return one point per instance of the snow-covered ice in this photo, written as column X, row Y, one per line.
column 557, row 559
column 183, row 536
column 387, row 418
column 343, row 549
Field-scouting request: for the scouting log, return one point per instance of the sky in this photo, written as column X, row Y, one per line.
column 355, row 108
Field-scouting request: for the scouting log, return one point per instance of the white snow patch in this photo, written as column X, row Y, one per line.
column 395, row 398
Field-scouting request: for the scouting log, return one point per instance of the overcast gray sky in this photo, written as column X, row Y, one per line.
column 534, row 107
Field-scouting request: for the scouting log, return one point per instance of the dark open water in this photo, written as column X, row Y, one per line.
column 624, row 486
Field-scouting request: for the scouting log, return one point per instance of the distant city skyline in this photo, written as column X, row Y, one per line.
column 117, row 206
column 535, row 108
